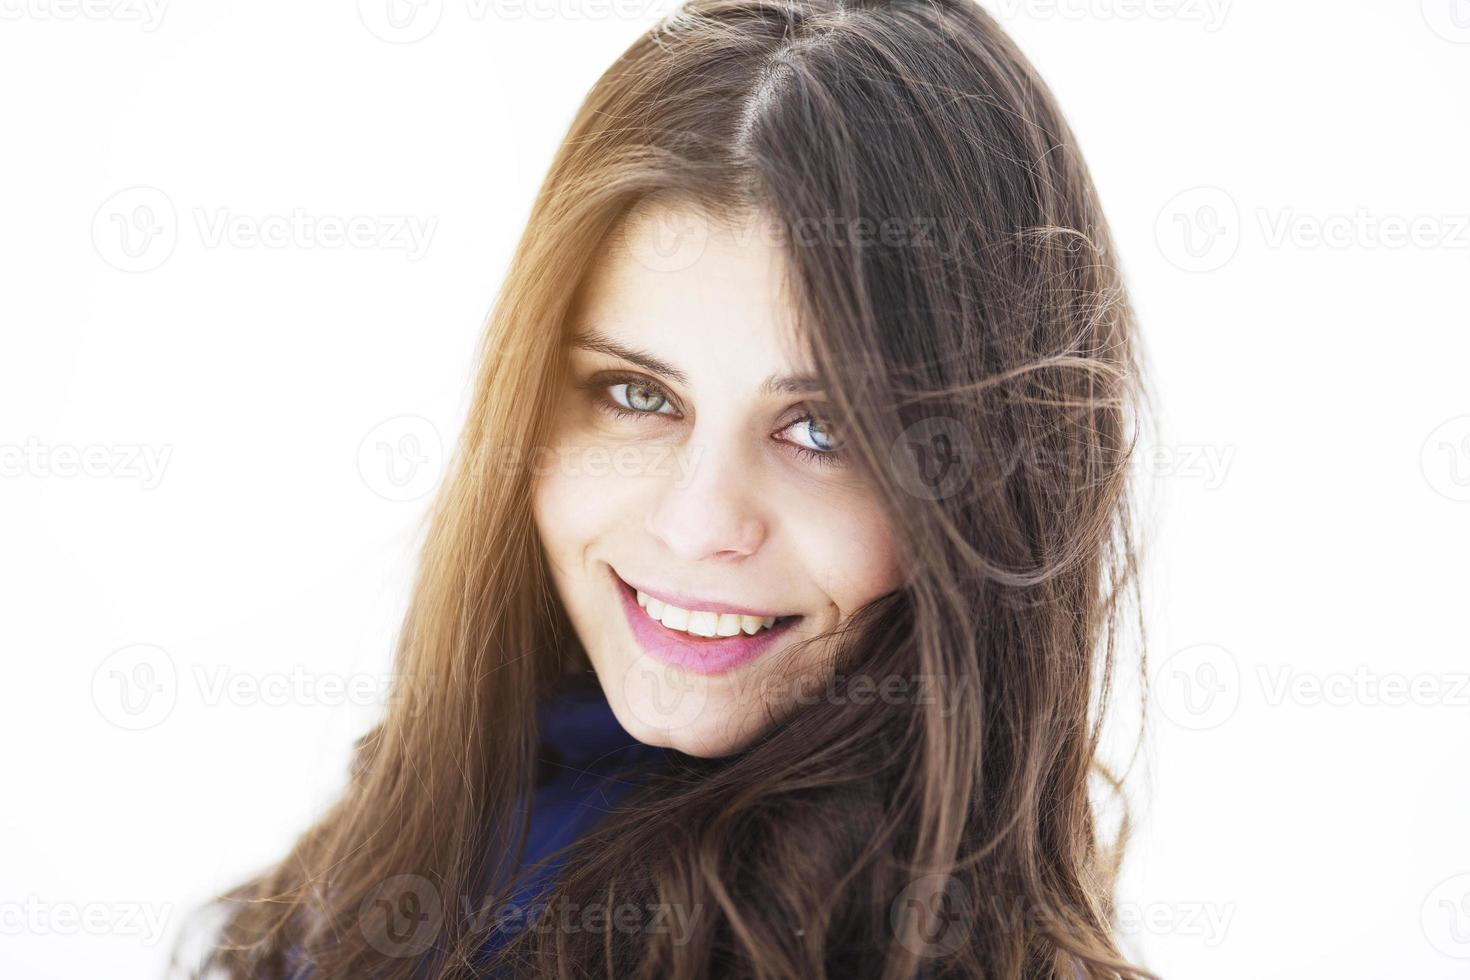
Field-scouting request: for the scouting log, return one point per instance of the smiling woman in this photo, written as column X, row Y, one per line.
column 817, row 667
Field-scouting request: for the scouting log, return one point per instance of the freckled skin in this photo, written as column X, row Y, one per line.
column 712, row 501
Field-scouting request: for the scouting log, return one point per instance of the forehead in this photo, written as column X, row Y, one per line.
column 697, row 289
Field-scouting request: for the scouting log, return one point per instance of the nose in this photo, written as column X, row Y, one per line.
column 709, row 509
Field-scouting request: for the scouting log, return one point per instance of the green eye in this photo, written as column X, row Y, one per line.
column 640, row 398
column 626, row 395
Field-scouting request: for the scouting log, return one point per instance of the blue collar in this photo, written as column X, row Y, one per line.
column 578, row 726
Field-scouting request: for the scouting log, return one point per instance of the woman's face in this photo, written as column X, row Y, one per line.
column 694, row 492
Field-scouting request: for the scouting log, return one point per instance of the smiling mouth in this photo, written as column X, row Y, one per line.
column 698, row 624
column 683, row 644
column 705, row 625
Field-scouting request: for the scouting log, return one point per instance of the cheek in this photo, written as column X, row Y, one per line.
column 580, row 497
column 582, row 488
column 849, row 550
column 571, row 508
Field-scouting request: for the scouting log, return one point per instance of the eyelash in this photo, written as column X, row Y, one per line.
column 597, row 387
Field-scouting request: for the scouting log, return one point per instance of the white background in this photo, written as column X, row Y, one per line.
column 218, row 450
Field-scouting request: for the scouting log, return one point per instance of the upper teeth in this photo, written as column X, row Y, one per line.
column 700, row 622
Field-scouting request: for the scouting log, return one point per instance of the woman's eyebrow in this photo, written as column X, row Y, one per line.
column 589, row 339
column 792, row 384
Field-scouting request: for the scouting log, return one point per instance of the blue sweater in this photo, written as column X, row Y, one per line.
column 588, row 763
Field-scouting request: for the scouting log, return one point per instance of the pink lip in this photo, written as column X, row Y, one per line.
column 699, row 655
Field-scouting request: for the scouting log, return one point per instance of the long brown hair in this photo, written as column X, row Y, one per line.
column 956, row 282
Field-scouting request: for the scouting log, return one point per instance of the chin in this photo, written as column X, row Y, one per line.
column 664, row 707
